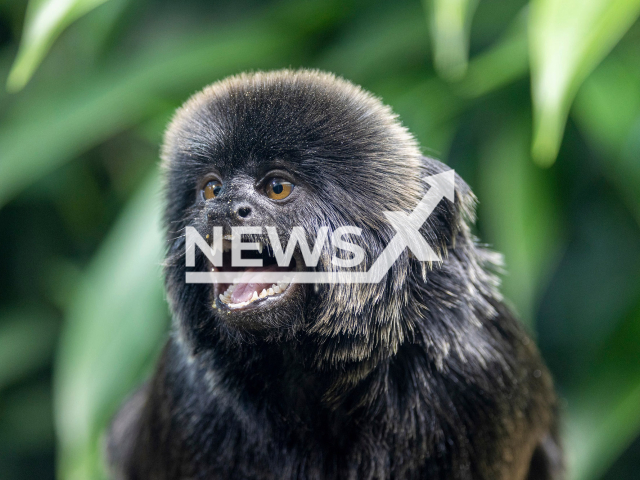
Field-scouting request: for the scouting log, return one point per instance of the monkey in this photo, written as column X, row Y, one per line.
column 424, row 374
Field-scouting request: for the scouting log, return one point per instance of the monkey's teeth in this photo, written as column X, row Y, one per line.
column 260, row 247
column 226, row 296
column 274, row 289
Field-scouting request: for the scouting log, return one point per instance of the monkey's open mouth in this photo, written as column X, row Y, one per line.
column 249, row 289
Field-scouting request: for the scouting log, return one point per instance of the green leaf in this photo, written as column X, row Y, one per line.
column 112, row 329
column 519, row 214
column 501, row 64
column 68, row 118
column 45, row 21
column 383, row 38
column 27, row 339
column 450, row 24
column 26, row 421
column 568, row 38
column 608, row 103
column 429, row 109
column 607, row 110
column 594, row 441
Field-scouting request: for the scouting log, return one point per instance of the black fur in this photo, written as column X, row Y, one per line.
column 424, row 375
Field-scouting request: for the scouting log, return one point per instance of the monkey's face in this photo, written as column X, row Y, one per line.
column 255, row 195
column 286, row 150
column 247, row 208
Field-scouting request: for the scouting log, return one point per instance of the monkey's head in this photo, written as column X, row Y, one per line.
column 299, row 149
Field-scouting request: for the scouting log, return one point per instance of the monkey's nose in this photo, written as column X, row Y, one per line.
column 243, row 211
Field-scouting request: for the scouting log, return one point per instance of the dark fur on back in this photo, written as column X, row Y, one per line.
column 424, row 375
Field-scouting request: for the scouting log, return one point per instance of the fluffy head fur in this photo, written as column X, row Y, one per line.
column 425, row 373
column 357, row 161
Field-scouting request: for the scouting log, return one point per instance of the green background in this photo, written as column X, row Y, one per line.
column 536, row 104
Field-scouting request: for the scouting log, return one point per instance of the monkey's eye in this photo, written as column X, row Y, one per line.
column 212, row 189
column 278, row 188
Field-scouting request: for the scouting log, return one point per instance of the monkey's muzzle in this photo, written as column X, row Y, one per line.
column 248, row 289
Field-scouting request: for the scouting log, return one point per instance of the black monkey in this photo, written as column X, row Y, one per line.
column 425, row 374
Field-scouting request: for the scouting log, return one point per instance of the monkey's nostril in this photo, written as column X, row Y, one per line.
column 244, row 212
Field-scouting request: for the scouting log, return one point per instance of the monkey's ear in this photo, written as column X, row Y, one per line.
column 450, row 219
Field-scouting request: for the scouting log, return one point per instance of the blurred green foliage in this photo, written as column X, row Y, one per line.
column 496, row 89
